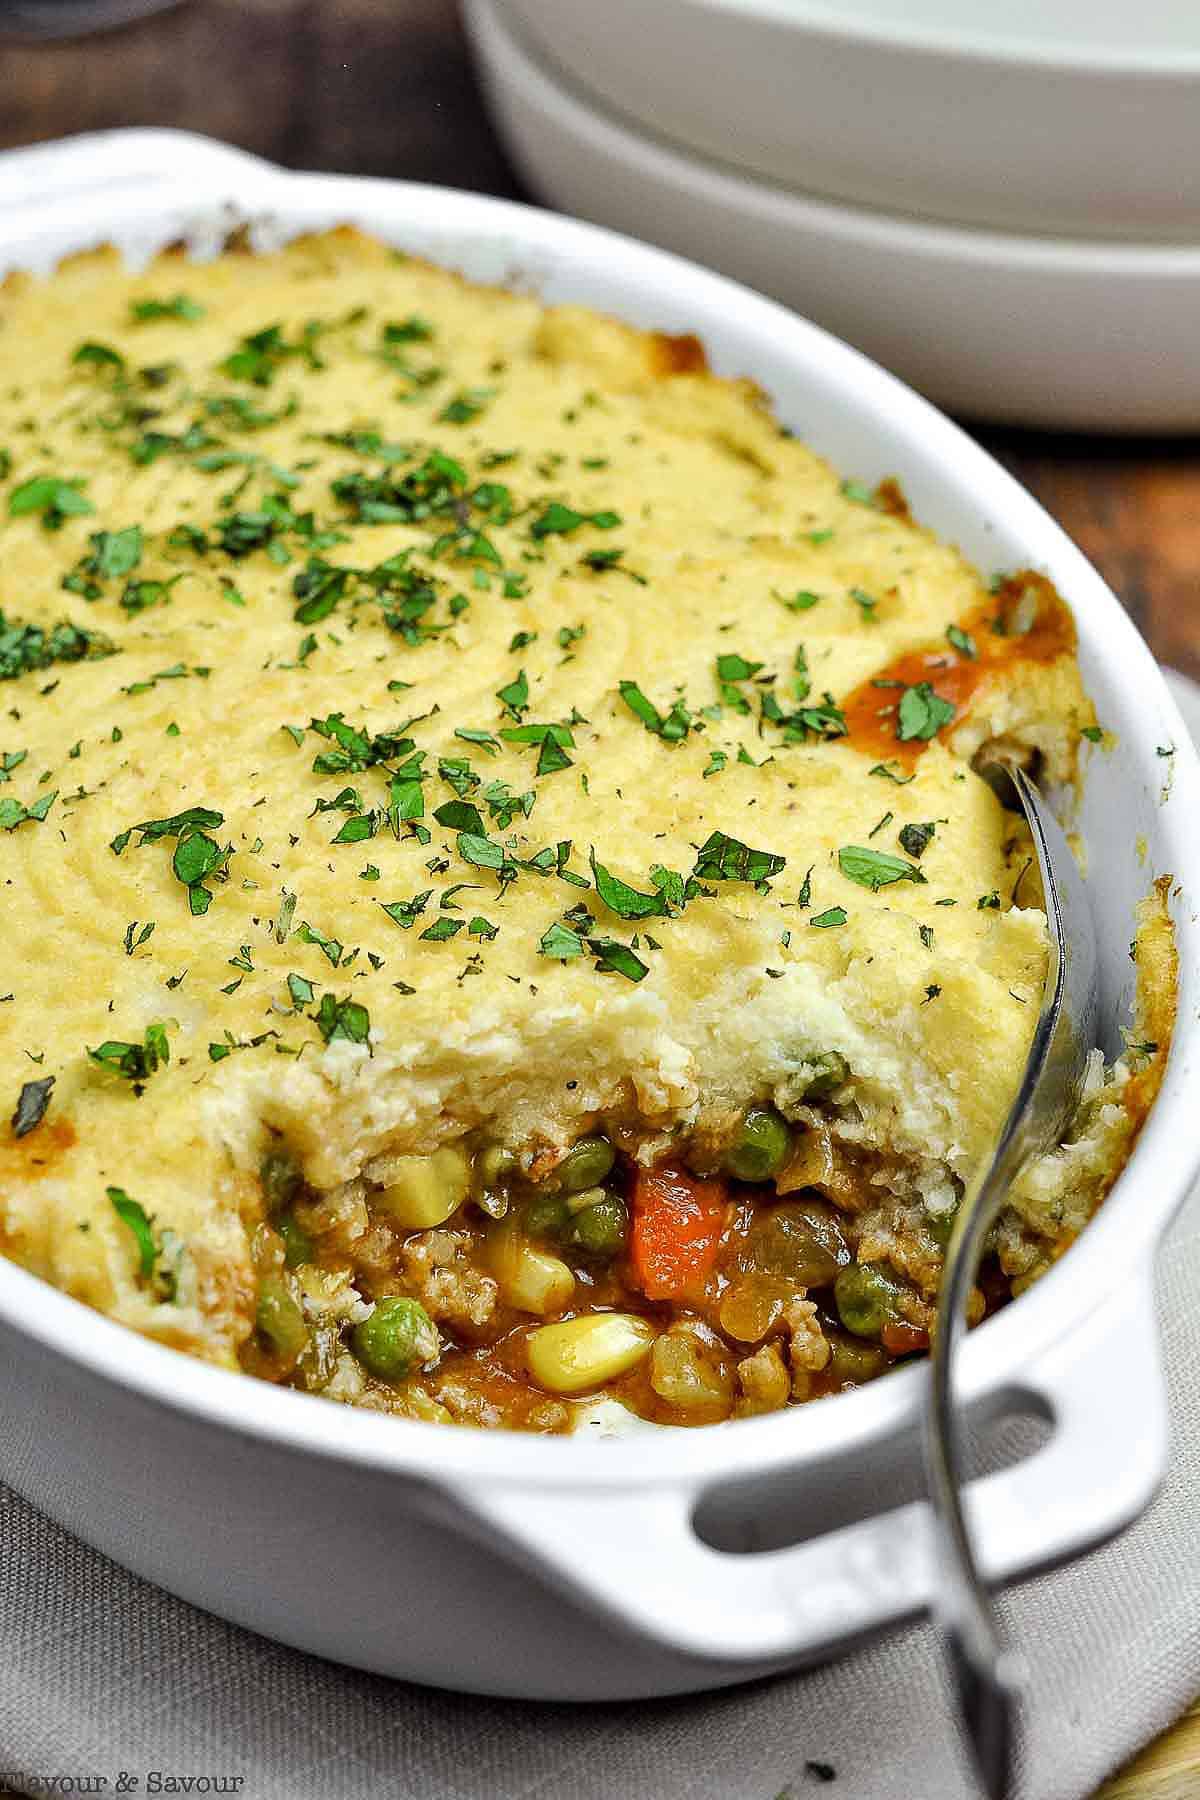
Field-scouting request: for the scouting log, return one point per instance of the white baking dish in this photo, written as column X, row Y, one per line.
column 1072, row 116
column 1028, row 328
column 570, row 1568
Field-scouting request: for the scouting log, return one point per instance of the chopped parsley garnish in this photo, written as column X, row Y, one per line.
column 562, row 942
column 559, row 520
column 135, row 1062
column 412, row 330
column 1095, row 734
column 143, row 312
column 889, row 774
column 98, row 356
column 988, row 902
column 859, row 492
column 344, row 1018
column 197, row 856
column 433, row 490
column 460, row 815
column 301, row 990
column 875, row 869
column 260, row 355
column 54, row 497
column 671, row 727
column 405, row 913
column 866, row 604
column 922, row 713
column 466, row 406
column 13, row 813
column 565, row 941
column 962, row 641
column 600, row 560
column 514, row 696
column 152, row 1251
column 833, row 915
column 553, row 741
column 111, row 554
column 442, row 929
column 803, row 600
column 915, row 838
column 926, row 935
column 32, row 1103
column 724, row 858
column 622, row 899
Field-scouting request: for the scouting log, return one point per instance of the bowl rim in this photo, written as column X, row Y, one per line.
column 1054, row 255
column 1040, row 56
column 104, row 1352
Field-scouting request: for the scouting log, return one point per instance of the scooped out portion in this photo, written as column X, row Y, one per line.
column 501, row 907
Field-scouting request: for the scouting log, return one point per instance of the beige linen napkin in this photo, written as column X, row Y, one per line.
column 103, row 1675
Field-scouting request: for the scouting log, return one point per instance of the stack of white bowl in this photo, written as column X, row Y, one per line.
column 1000, row 203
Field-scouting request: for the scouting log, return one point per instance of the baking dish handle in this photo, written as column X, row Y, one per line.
column 45, row 173
column 635, row 1556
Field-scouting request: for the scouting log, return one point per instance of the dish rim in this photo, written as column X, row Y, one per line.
column 994, row 1358
column 1049, row 57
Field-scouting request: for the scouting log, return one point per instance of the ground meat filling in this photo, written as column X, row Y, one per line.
column 483, row 1287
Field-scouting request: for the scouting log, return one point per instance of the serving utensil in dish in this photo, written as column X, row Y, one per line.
column 571, row 1568
column 985, row 1674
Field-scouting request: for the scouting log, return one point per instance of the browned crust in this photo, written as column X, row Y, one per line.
column 683, row 355
column 890, row 498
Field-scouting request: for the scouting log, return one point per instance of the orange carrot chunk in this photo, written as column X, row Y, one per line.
column 677, row 1224
column 902, row 1339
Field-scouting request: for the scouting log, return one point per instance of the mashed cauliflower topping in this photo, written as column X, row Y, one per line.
column 452, row 748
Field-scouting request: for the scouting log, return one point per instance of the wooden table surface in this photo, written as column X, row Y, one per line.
column 384, row 87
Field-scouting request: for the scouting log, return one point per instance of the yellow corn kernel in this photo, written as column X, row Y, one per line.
column 577, row 1354
column 422, row 1191
column 536, row 1282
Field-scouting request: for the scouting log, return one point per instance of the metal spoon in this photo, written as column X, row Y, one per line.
column 986, row 1675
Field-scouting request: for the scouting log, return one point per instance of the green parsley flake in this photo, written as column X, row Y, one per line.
column 875, row 869
column 344, row 1018
column 135, row 1062
column 724, row 858
column 56, row 498
column 922, row 713
column 32, row 1103
column 559, row 520
column 144, row 312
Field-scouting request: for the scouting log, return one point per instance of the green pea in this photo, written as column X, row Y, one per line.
column 398, row 1335
column 940, row 1225
column 494, row 1166
column 830, row 1069
column 586, row 1164
column 546, row 1216
column 280, row 1179
column 853, row 1361
column 866, row 1299
column 601, row 1229
column 279, row 1319
column 298, row 1247
column 761, row 1146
